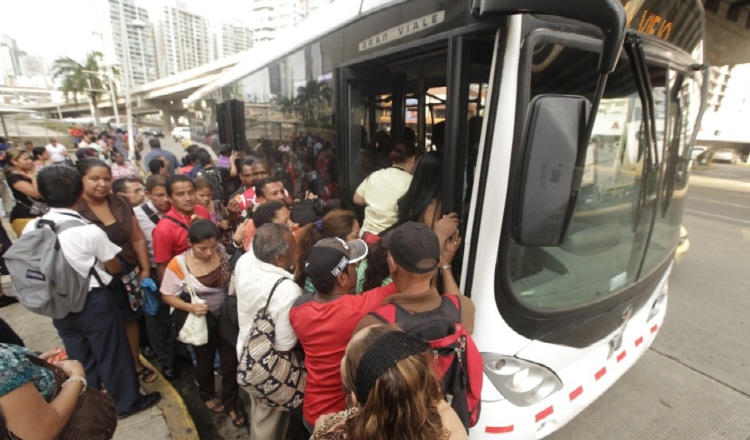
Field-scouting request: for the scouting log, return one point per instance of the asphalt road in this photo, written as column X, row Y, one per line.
column 694, row 382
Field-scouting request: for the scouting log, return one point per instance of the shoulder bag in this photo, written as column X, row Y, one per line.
column 195, row 329
column 276, row 379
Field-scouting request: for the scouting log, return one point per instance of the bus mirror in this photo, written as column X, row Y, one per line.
column 552, row 169
column 608, row 15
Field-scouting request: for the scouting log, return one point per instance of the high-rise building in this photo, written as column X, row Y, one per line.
column 271, row 17
column 184, row 40
column 231, row 39
column 9, row 59
column 139, row 40
column 314, row 5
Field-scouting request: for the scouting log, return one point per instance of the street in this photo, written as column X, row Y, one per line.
column 693, row 383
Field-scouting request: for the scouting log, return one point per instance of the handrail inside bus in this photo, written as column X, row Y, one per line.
column 608, row 15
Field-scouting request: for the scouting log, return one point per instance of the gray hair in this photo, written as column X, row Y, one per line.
column 269, row 243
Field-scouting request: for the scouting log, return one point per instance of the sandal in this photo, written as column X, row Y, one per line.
column 238, row 418
column 146, row 375
column 215, row 406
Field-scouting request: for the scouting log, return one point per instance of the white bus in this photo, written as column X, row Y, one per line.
column 566, row 129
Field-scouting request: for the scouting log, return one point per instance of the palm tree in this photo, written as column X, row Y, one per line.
column 81, row 79
column 286, row 106
column 310, row 96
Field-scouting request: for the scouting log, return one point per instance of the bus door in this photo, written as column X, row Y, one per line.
column 370, row 99
column 435, row 98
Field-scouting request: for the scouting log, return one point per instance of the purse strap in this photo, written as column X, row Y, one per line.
column 186, row 271
column 272, row 291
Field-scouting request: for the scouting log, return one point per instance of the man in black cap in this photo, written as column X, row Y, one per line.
column 414, row 255
column 324, row 321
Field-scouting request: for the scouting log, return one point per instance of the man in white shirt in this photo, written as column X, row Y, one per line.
column 94, row 336
column 148, row 215
column 270, row 258
column 57, row 152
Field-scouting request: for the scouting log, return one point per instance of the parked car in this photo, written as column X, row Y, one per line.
column 179, row 133
column 697, row 151
column 727, row 155
column 152, row 132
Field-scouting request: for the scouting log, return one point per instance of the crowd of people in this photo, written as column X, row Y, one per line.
column 260, row 237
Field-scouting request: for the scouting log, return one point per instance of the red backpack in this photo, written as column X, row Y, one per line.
column 458, row 366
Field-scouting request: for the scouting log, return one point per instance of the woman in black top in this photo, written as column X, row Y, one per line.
column 22, row 182
column 114, row 215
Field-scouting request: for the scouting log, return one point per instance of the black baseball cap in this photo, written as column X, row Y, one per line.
column 414, row 246
column 329, row 257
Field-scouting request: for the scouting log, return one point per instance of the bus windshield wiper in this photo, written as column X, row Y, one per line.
column 634, row 49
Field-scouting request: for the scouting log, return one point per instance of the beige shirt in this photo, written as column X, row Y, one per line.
column 381, row 191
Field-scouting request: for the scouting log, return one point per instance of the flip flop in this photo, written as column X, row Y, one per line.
column 215, row 406
column 146, row 375
column 238, row 418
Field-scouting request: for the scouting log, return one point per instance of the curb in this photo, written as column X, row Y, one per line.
column 179, row 421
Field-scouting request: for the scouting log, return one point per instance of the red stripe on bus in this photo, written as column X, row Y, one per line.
column 599, row 374
column 543, row 414
column 621, row 356
column 654, row 328
column 639, row 341
column 575, row 393
column 498, row 429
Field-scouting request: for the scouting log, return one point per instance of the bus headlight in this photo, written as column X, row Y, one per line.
column 522, row 382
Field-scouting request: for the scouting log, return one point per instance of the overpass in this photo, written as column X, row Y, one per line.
column 727, row 43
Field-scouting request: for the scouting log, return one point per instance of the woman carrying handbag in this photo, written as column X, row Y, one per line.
column 203, row 273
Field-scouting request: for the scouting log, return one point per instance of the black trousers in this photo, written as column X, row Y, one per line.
column 160, row 333
column 204, row 369
column 96, row 338
column 8, row 335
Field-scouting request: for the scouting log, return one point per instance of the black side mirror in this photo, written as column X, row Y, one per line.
column 552, row 169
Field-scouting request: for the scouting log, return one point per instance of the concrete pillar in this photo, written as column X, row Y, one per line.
column 167, row 121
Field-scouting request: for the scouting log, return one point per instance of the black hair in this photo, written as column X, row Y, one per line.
column 156, row 165
column 193, row 149
column 203, row 157
column 403, row 151
column 200, row 230
column 60, row 185
column 154, row 143
column 121, row 185
column 225, row 150
column 426, row 186
column 261, row 184
column 187, row 159
column 38, row 152
column 85, row 165
column 177, row 178
column 156, row 180
column 246, row 163
column 2, row 140
column 266, row 212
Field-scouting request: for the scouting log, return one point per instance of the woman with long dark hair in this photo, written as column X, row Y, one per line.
column 204, row 270
column 421, row 203
column 392, row 392
column 114, row 215
column 22, row 182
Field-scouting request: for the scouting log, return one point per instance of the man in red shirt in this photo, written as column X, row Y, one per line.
column 170, row 236
column 324, row 321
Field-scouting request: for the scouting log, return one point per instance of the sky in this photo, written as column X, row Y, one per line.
column 54, row 28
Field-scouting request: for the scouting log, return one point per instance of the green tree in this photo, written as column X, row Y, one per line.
column 311, row 96
column 81, row 79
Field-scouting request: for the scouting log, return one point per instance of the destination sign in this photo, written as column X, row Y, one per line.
column 403, row 30
column 678, row 21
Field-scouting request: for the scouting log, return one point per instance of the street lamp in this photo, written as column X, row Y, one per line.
column 138, row 24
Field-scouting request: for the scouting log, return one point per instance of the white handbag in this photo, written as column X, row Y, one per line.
column 195, row 330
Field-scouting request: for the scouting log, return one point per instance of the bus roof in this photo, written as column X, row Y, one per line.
column 324, row 21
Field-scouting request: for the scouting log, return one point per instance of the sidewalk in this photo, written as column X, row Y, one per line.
column 169, row 419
